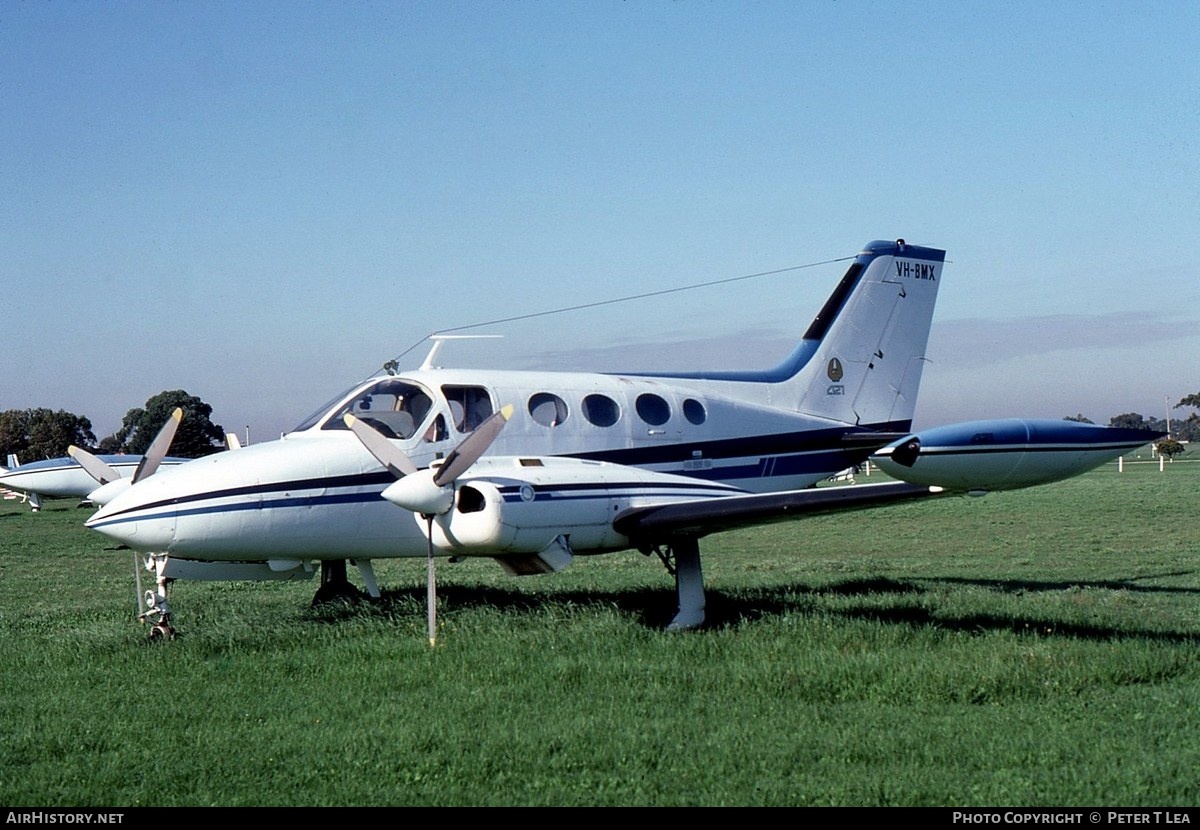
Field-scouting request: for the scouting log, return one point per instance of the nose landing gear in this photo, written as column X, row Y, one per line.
column 153, row 606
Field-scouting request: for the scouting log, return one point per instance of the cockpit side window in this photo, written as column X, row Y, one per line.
column 470, row 406
column 395, row 407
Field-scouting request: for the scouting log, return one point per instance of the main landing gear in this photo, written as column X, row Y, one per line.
column 335, row 586
column 682, row 560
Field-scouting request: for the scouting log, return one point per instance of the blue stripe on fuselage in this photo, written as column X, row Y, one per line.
column 806, row 452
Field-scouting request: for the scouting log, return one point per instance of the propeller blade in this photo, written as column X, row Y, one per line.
column 387, row 453
column 158, row 448
column 473, row 446
column 95, row 467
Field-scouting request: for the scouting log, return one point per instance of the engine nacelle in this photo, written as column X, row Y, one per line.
column 979, row 456
column 490, row 519
column 523, row 505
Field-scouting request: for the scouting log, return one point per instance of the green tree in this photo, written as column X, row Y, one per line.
column 37, row 434
column 1079, row 419
column 1130, row 420
column 1189, row 430
column 1170, row 448
column 197, row 434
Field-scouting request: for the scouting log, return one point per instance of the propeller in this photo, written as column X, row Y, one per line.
column 159, row 446
column 111, row 483
column 428, row 492
column 389, row 455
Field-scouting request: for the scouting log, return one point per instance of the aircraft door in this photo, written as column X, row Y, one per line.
column 654, row 418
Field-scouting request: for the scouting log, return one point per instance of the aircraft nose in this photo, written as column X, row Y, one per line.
column 130, row 520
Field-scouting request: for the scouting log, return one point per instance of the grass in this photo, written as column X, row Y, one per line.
column 1035, row 648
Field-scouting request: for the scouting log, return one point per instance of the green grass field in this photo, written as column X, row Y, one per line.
column 1035, row 648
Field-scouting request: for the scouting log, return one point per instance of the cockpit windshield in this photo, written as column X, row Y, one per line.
column 393, row 406
column 320, row 412
column 401, row 408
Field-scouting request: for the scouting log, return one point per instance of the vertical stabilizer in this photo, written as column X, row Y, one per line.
column 868, row 341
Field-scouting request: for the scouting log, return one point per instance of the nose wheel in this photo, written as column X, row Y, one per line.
column 161, row 631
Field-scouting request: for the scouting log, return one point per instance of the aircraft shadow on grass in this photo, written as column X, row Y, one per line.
column 726, row 610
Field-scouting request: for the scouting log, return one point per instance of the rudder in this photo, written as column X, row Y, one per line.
column 870, row 338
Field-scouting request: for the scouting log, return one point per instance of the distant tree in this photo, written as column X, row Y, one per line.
column 36, row 434
column 196, row 436
column 1189, row 400
column 1169, row 447
column 14, row 432
column 1189, row 430
column 1079, row 419
column 1130, row 420
column 110, row 445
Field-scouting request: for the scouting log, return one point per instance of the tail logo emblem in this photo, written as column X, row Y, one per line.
column 834, row 370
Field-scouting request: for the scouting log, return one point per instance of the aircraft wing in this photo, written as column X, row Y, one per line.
column 702, row 517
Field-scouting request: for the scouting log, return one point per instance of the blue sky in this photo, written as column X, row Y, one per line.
column 260, row 203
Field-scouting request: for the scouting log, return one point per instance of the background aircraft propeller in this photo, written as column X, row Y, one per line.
column 95, row 466
column 428, row 492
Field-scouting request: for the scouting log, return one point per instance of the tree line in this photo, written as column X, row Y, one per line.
column 37, row 434
column 1179, row 430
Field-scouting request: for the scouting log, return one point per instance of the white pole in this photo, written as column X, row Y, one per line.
column 1120, row 464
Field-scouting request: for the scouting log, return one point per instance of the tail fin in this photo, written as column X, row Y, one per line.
column 864, row 352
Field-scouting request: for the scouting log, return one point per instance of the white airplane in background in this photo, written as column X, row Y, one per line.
column 79, row 474
column 585, row 463
column 91, row 478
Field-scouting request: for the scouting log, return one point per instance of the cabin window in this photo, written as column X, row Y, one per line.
column 653, row 409
column 470, row 406
column 394, row 407
column 601, row 410
column 547, row 409
column 694, row 411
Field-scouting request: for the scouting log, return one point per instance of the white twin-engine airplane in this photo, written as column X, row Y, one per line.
column 583, row 463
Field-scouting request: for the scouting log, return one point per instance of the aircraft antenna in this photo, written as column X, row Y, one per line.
column 643, row 296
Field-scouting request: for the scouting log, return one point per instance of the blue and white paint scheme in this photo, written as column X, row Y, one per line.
column 982, row 456
column 585, row 463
